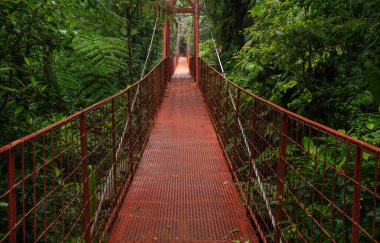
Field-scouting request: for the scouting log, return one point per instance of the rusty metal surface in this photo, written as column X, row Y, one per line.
column 183, row 189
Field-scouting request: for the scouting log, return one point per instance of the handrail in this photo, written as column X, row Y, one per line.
column 322, row 184
column 75, row 115
column 56, row 175
column 299, row 117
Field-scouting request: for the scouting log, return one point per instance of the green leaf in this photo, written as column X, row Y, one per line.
column 57, row 171
column 250, row 67
column 342, row 131
column 19, row 109
column 27, row 61
column 7, row 89
column 229, row 147
column 3, row 204
column 3, row 70
column 28, row 117
column 72, row 24
column 370, row 126
column 12, row 16
column 309, row 145
column 365, row 156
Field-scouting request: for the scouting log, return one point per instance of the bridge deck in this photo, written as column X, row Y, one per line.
column 183, row 189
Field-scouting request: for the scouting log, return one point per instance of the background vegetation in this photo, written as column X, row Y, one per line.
column 319, row 59
column 57, row 57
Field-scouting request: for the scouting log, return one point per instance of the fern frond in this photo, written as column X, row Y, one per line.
column 107, row 53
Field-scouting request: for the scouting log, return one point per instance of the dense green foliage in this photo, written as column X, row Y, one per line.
column 318, row 58
column 57, row 57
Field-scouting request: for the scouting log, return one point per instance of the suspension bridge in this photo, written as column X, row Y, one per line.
column 186, row 155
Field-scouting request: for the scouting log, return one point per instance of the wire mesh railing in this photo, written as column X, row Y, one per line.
column 65, row 182
column 299, row 180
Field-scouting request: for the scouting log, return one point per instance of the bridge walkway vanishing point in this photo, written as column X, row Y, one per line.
column 183, row 189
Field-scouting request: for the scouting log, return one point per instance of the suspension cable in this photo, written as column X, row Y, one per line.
column 138, row 89
column 256, row 171
column 214, row 43
column 150, row 48
column 110, row 174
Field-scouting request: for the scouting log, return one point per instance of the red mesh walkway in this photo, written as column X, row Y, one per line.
column 183, row 189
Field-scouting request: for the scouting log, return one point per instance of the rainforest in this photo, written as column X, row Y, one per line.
column 319, row 60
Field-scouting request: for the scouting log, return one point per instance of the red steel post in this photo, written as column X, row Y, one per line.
column 252, row 159
column 140, row 118
column 203, row 76
column 196, row 40
column 11, row 196
column 178, row 49
column 187, row 53
column 237, row 119
column 225, row 110
column 166, row 40
column 86, row 188
column 281, row 174
column 130, row 124
column 162, row 84
column 114, row 160
column 357, row 189
column 218, row 106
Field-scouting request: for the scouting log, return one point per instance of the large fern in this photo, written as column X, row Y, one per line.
column 91, row 72
column 106, row 53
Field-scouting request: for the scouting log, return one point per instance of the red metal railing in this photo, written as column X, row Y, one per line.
column 66, row 182
column 299, row 180
column 191, row 65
